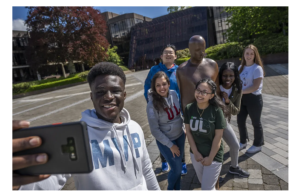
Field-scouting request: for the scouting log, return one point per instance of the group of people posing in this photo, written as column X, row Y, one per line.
column 197, row 100
column 194, row 99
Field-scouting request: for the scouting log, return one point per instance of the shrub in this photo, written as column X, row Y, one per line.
column 83, row 75
column 124, row 68
column 181, row 60
column 55, row 83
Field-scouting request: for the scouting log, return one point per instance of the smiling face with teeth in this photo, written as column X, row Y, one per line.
column 227, row 78
column 108, row 95
column 202, row 100
column 249, row 56
column 162, row 86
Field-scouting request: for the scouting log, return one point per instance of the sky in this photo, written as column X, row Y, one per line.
column 20, row 13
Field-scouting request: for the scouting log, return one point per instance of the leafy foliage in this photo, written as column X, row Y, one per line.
column 60, row 34
column 181, row 60
column 183, row 53
column 271, row 44
column 247, row 23
column 112, row 56
column 124, row 68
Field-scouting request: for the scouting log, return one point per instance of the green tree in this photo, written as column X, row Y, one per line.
column 248, row 23
column 177, row 8
column 113, row 56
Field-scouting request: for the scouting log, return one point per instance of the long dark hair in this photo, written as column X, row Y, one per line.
column 215, row 101
column 158, row 101
column 237, row 81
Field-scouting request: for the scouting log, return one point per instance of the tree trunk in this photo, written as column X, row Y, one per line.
column 38, row 75
column 63, row 70
column 71, row 66
column 82, row 67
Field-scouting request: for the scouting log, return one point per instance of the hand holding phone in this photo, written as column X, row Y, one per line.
column 67, row 147
column 24, row 161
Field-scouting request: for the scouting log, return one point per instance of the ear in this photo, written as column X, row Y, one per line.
column 175, row 56
column 212, row 96
column 91, row 96
column 125, row 94
column 161, row 56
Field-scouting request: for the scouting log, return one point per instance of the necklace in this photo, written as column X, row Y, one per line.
column 199, row 112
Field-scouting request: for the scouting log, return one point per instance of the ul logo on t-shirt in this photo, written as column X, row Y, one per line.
column 197, row 125
column 243, row 77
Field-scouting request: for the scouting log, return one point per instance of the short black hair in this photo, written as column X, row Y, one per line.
column 169, row 46
column 105, row 68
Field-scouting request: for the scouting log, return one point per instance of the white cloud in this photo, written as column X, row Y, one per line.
column 19, row 25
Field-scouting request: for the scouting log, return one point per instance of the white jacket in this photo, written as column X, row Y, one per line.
column 120, row 158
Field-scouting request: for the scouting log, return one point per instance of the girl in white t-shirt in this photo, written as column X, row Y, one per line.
column 252, row 74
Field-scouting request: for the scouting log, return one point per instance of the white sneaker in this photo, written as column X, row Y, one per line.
column 242, row 146
column 254, row 149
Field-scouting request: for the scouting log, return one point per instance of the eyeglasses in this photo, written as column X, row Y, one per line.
column 166, row 53
column 204, row 93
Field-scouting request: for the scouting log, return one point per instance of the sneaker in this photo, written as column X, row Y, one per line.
column 242, row 146
column 164, row 167
column 254, row 149
column 239, row 171
column 183, row 170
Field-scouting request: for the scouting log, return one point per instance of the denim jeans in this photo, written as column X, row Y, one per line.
column 251, row 104
column 174, row 176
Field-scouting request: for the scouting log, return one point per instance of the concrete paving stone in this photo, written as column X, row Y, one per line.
column 269, row 140
column 265, row 171
column 255, row 173
column 283, row 122
column 266, row 161
column 256, row 186
column 250, row 161
column 271, row 187
column 185, row 186
column 238, row 189
column 283, row 135
column 283, row 185
column 281, row 152
column 223, row 188
column 267, row 151
column 241, row 185
column 282, row 173
column 272, row 116
column 255, row 181
column 270, row 179
column 269, row 130
column 281, row 146
column 270, row 135
column 241, row 180
column 196, row 180
column 269, row 146
column 283, row 131
column 196, row 187
column 254, row 166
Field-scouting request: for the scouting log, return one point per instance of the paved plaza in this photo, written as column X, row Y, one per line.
column 268, row 169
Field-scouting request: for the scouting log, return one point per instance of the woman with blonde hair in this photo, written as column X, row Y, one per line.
column 251, row 73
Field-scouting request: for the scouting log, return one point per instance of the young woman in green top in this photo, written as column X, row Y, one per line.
column 204, row 122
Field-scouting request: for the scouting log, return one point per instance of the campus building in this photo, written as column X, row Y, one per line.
column 148, row 38
column 119, row 27
column 20, row 68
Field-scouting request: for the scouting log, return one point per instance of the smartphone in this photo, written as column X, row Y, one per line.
column 66, row 144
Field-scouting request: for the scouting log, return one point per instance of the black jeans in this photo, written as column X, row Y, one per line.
column 251, row 104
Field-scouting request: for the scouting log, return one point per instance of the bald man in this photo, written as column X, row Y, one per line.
column 195, row 69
